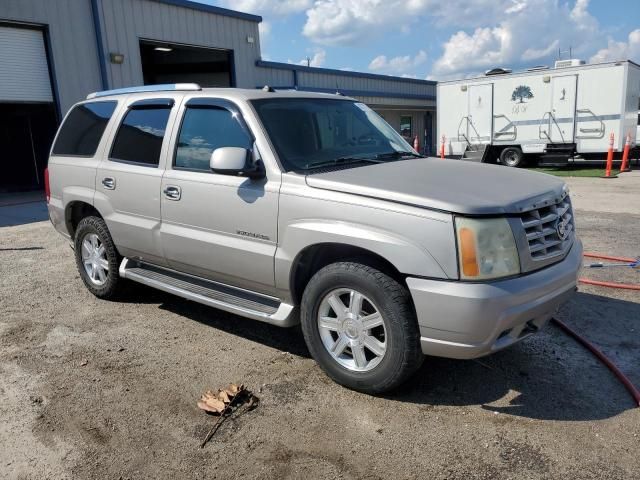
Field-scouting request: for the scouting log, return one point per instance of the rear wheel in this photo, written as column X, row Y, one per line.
column 511, row 157
column 360, row 327
column 96, row 257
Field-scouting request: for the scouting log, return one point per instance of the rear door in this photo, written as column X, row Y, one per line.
column 221, row 227
column 563, row 108
column 128, row 179
column 480, row 113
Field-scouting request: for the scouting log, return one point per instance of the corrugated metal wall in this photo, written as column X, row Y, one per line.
column 127, row 21
column 284, row 76
column 74, row 55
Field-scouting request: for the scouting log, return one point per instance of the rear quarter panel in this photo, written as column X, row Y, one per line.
column 72, row 178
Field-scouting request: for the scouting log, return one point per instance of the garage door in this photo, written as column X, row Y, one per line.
column 24, row 73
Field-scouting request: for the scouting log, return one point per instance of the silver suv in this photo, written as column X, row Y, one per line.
column 294, row 207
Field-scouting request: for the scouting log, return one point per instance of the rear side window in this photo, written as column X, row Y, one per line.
column 205, row 129
column 82, row 130
column 139, row 138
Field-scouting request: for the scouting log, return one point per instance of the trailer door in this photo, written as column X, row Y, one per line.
column 480, row 113
column 563, row 108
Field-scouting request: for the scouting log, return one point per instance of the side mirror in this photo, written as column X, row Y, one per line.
column 235, row 161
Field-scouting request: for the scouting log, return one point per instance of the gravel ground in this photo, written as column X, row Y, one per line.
column 97, row 389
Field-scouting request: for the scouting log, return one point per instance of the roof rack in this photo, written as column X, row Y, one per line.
column 191, row 87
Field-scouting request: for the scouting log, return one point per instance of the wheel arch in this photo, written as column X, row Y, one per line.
column 75, row 211
column 317, row 256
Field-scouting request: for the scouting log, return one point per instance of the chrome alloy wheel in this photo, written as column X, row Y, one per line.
column 352, row 330
column 94, row 259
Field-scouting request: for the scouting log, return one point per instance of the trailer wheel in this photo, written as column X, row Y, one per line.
column 511, row 157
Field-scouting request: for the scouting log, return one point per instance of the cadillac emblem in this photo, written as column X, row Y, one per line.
column 563, row 228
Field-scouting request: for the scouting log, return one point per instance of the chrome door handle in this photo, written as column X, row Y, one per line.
column 172, row 192
column 109, row 183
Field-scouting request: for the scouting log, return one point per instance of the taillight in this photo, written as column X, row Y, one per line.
column 47, row 189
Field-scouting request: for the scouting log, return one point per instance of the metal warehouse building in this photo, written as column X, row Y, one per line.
column 54, row 52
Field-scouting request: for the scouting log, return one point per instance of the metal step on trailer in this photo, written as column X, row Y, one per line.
column 214, row 294
column 475, row 152
column 557, row 154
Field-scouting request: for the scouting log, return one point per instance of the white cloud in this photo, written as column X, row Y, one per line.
column 516, row 40
column 264, row 28
column 620, row 50
column 400, row 65
column 535, row 54
column 275, row 7
column 347, row 22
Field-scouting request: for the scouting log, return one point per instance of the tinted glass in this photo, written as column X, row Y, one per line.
column 205, row 129
column 309, row 133
column 140, row 136
column 82, row 130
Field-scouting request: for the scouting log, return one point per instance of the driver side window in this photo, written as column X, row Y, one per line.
column 203, row 130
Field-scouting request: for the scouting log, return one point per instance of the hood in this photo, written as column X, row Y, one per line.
column 448, row 185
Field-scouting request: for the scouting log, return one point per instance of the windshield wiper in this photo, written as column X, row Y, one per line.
column 398, row 154
column 341, row 161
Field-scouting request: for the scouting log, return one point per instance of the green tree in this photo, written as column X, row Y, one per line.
column 521, row 93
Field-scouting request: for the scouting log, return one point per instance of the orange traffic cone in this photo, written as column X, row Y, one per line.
column 607, row 172
column 625, row 155
column 442, row 147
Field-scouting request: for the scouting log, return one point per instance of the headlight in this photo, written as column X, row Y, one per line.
column 486, row 248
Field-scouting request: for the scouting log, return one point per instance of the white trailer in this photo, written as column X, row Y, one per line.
column 549, row 115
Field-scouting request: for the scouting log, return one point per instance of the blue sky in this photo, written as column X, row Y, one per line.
column 441, row 39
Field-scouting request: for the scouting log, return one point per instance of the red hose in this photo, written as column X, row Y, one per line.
column 625, row 286
column 609, row 257
column 635, row 393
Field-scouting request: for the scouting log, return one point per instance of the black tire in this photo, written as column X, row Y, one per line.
column 403, row 355
column 96, row 225
column 512, row 157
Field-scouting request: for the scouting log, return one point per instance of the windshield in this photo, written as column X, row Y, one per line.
column 311, row 133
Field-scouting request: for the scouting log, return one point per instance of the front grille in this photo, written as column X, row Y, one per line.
column 549, row 229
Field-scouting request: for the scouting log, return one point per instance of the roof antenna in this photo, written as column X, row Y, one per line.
column 338, row 92
column 561, row 52
column 308, row 62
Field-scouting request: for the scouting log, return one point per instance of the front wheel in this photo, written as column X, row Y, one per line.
column 359, row 325
column 511, row 157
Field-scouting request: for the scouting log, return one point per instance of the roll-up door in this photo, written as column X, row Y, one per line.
column 24, row 72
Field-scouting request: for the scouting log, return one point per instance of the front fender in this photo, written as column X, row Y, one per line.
column 407, row 256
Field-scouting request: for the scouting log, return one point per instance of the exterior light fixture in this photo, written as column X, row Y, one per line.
column 546, row 79
column 463, row 88
column 117, row 58
column 250, row 39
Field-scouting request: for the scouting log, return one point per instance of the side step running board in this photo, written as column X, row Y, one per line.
column 224, row 297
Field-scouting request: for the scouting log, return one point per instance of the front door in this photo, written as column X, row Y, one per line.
column 480, row 113
column 222, row 227
column 563, row 108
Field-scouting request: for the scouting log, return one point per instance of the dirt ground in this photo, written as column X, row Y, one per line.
column 97, row 389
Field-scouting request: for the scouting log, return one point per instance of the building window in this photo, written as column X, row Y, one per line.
column 205, row 129
column 139, row 138
column 406, row 126
column 83, row 128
